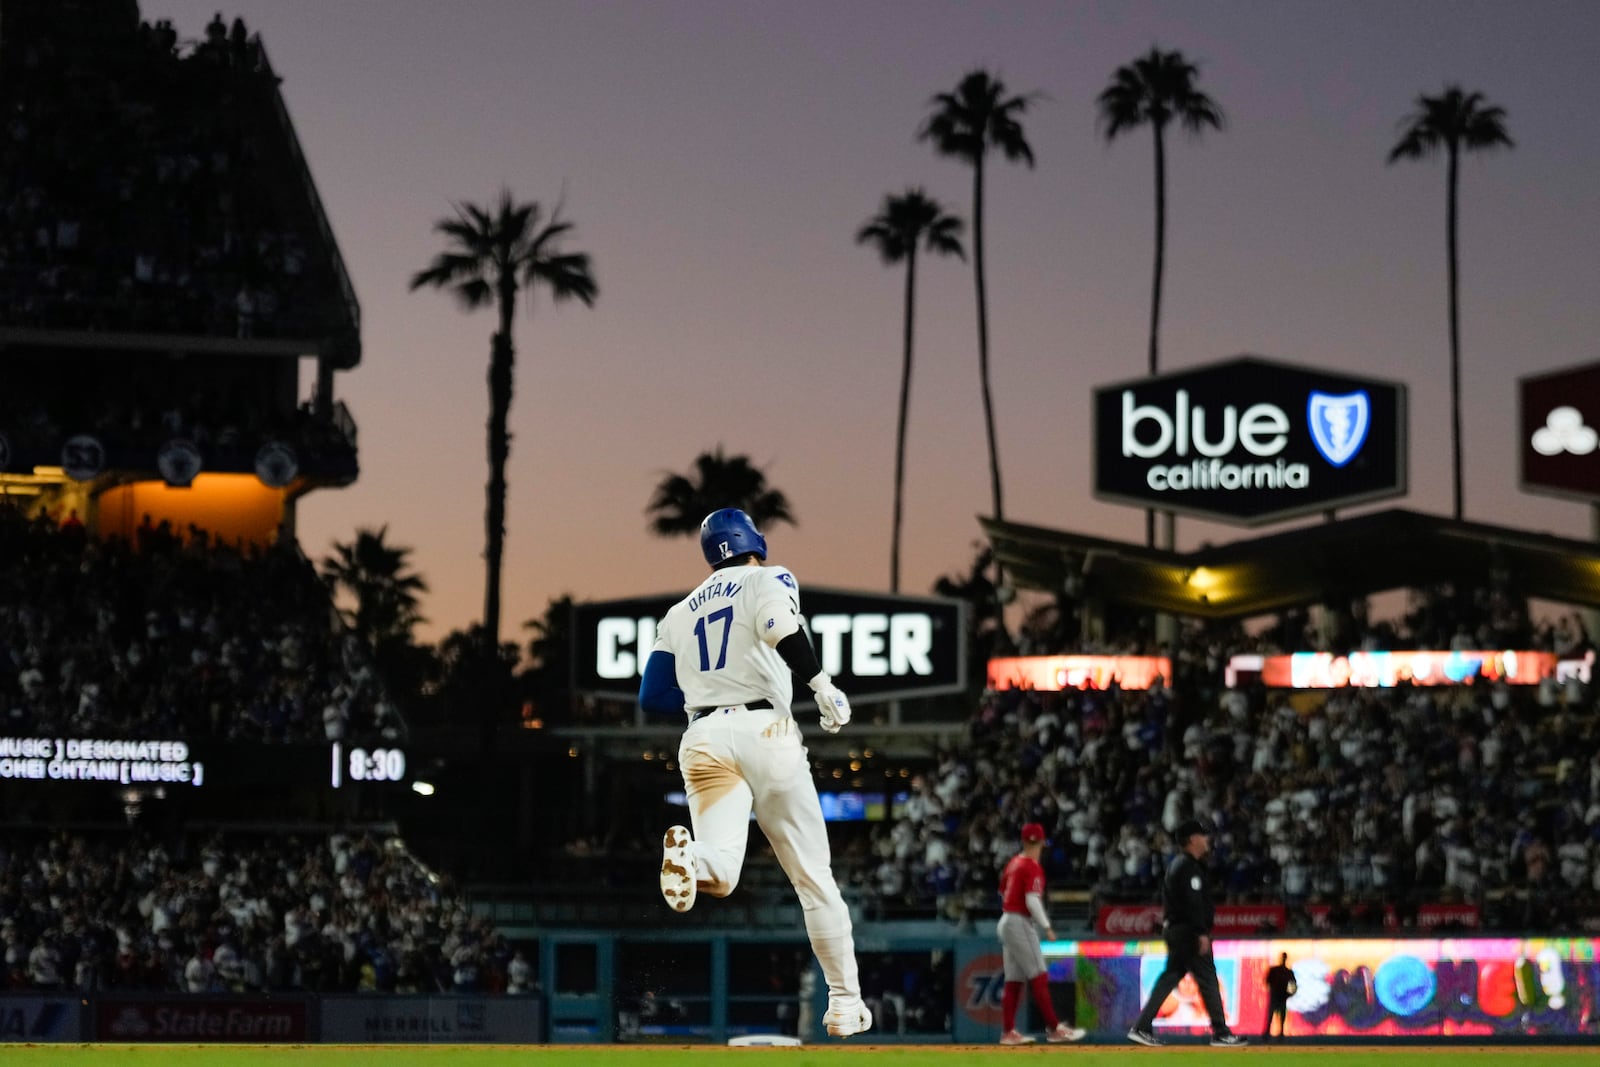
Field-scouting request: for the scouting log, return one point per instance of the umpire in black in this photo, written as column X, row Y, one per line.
column 1186, row 901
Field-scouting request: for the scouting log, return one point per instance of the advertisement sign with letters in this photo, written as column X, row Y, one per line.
column 450, row 1020
column 255, row 1020
column 1144, row 920
column 876, row 646
column 1249, row 441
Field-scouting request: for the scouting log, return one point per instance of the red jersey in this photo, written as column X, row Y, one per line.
column 1021, row 877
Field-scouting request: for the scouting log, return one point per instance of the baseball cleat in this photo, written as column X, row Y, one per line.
column 846, row 1017
column 1228, row 1041
column 1011, row 1037
column 1144, row 1037
column 1064, row 1033
column 677, row 868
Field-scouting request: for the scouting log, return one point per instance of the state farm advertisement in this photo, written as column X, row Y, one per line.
column 1560, row 446
column 1144, row 920
column 200, row 1019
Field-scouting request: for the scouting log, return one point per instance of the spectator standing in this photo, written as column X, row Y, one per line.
column 199, row 974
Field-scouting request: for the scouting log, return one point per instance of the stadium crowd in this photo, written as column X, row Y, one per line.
column 240, row 913
column 1484, row 794
column 177, row 636
column 132, row 187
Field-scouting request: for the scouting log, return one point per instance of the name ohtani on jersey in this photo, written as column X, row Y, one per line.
column 701, row 597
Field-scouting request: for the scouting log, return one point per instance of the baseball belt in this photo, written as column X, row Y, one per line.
column 753, row 705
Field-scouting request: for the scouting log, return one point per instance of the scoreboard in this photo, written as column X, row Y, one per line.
column 201, row 764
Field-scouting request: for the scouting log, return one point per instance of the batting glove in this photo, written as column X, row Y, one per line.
column 833, row 707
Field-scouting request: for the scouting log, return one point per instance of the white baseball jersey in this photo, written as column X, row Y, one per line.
column 715, row 638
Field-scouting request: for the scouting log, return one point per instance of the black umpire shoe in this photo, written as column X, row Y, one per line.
column 1144, row 1037
column 1228, row 1041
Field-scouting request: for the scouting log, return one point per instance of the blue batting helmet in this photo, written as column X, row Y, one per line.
column 727, row 533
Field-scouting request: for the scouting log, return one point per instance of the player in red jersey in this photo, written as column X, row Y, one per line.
column 1022, row 916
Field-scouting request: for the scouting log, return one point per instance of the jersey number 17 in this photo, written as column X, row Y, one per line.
column 724, row 616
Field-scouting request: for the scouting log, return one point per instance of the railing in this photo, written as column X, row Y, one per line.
column 341, row 275
column 344, row 422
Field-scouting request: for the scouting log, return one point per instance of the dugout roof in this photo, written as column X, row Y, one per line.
column 1321, row 563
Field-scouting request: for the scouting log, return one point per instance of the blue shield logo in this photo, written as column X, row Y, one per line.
column 1339, row 424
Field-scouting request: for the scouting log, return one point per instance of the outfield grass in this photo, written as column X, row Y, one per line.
column 818, row 1055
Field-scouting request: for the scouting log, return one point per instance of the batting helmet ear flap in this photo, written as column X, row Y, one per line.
column 728, row 533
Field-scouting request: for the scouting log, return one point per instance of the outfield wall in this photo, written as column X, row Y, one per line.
column 927, row 987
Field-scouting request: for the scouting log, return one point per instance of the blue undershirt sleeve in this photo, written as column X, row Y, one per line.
column 658, row 689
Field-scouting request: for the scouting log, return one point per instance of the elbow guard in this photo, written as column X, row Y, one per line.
column 797, row 652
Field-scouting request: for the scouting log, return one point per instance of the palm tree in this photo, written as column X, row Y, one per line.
column 1455, row 121
column 717, row 481
column 490, row 255
column 548, row 678
column 900, row 225
column 965, row 124
column 377, row 576
column 1153, row 90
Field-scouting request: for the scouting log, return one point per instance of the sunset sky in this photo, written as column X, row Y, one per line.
column 718, row 157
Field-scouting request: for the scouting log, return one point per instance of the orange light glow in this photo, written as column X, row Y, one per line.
column 232, row 507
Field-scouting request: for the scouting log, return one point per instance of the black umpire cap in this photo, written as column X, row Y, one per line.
column 1189, row 827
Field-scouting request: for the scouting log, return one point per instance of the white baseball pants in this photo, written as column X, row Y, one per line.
column 738, row 760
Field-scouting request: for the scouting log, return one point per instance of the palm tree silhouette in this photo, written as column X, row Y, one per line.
column 901, row 224
column 375, row 574
column 717, row 481
column 491, row 254
column 965, row 124
column 1153, row 90
column 1454, row 121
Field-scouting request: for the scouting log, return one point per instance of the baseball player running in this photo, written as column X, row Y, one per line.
column 723, row 655
column 1022, row 916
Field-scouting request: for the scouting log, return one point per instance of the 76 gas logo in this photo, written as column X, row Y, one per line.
column 980, row 987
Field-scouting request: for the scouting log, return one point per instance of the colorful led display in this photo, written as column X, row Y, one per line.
column 1051, row 673
column 1359, row 988
column 1383, row 669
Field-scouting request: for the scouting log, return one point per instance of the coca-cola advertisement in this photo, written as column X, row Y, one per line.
column 1129, row 920
column 204, row 1019
column 1144, row 920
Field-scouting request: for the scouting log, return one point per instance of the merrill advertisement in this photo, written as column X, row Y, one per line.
column 420, row 1020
